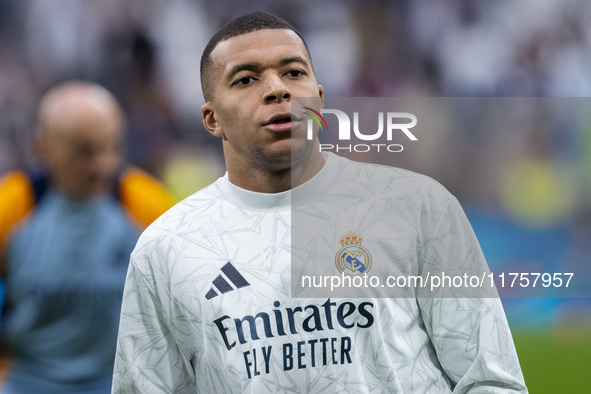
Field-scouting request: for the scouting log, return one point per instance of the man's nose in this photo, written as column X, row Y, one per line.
column 276, row 90
column 105, row 162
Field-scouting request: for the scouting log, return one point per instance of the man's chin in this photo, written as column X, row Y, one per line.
column 302, row 150
column 91, row 190
column 284, row 155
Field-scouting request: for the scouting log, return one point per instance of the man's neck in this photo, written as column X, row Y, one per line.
column 267, row 181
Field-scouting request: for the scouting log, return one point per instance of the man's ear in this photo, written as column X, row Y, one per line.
column 321, row 94
column 209, row 121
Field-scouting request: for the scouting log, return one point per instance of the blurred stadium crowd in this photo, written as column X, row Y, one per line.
column 522, row 184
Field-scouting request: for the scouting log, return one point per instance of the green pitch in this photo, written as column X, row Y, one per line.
column 555, row 361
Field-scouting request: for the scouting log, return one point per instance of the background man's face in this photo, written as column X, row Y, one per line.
column 82, row 150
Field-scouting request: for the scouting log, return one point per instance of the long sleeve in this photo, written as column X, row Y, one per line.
column 473, row 344
column 148, row 359
column 470, row 334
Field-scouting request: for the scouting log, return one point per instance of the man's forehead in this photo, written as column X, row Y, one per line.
column 255, row 44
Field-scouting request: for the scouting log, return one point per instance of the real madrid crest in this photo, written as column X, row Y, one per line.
column 352, row 259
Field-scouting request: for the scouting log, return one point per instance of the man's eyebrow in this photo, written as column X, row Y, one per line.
column 294, row 59
column 243, row 67
column 256, row 66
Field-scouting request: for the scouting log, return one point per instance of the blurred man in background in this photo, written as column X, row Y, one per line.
column 66, row 233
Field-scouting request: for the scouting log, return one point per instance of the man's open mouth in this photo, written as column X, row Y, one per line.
column 282, row 120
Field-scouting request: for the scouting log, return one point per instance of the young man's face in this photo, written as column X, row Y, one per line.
column 255, row 76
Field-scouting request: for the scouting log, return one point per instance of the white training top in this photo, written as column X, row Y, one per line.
column 207, row 306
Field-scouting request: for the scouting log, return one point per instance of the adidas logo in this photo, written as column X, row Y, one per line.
column 221, row 284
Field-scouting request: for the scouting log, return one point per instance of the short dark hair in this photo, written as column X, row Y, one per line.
column 243, row 24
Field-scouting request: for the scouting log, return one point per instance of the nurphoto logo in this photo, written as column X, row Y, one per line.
column 396, row 123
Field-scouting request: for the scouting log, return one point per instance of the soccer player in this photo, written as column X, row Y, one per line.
column 207, row 304
column 66, row 232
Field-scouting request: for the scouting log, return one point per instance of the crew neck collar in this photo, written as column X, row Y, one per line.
column 309, row 190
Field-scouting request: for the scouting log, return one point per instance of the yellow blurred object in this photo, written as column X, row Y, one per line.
column 537, row 192
column 17, row 199
column 189, row 171
column 143, row 196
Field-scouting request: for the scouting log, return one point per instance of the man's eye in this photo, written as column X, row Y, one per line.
column 243, row 81
column 295, row 73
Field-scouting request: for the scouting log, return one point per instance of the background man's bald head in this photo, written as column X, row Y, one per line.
column 79, row 138
column 71, row 106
